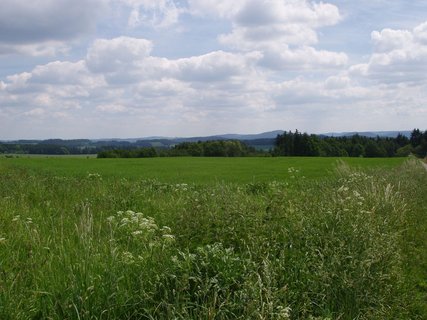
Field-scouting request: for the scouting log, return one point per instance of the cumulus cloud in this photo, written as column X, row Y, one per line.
column 220, row 8
column 302, row 58
column 65, row 73
column 400, row 56
column 118, row 53
column 129, row 60
column 269, row 70
column 285, row 31
column 121, row 76
column 111, row 108
column 154, row 13
column 41, row 27
column 49, row 48
column 214, row 66
column 420, row 33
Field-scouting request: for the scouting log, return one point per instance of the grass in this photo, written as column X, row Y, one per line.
column 196, row 170
column 345, row 243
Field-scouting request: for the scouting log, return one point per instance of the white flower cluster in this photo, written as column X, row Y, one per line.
column 349, row 195
column 277, row 185
column 134, row 226
column 94, row 176
column 283, row 313
column 19, row 219
column 356, row 177
column 181, row 187
column 292, row 170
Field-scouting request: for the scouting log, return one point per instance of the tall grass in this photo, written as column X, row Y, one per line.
column 94, row 248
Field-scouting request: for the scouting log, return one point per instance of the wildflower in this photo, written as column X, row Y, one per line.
column 342, row 189
column 283, row 313
column 148, row 224
column 94, row 176
column 111, row 219
column 128, row 257
column 137, row 232
column 16, row 218
column 165, row 229
column 168, row 238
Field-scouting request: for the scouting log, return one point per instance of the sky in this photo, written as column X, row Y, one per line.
column 137, row 68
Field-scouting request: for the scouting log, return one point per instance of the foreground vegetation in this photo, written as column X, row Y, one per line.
column 348, row 246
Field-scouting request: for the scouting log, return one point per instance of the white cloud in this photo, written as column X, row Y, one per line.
column 49, row 48
column 220, row 8
column 272, row 12
column 118, row 53
column 254, row 21
column 303, row 58
column 420, row 33
column 112, row 108
column 42, row 27
column 215, row 66
column 65, row 73
column 388, row 39
column 154, row 13
column 399, row 56
column 283, row 30
column 37, row 112
column 270, row 72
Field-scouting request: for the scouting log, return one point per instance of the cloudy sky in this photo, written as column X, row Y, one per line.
column 136, row 68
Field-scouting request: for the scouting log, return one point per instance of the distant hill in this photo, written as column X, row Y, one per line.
column 268, row 135
column 264, row 135
column 174, row 140
column 369, row 134
column 261, row 141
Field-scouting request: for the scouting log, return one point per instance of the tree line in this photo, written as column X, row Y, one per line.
column 290, row 144
column 213, row 148
column 286, row 144
column 302, row 144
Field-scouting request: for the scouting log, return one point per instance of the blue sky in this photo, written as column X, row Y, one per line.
column 135, row 68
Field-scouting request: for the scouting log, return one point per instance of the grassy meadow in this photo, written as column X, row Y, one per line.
column 212, row 238
column 194, row 170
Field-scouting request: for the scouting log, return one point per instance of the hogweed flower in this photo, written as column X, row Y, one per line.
column 128, row 257
column 283, row 312
column 168, row 238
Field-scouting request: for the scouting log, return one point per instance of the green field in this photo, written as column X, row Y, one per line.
column 213, row 238
column 196, row 170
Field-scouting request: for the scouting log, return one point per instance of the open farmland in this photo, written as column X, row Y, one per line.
column 195, row 170
column 212, row 238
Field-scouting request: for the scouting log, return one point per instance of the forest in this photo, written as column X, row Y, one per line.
column 290, row 144
column 287, row 144
column 302, row 144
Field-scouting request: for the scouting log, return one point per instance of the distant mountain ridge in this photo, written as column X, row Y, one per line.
column 369, row 134
column 265, row 141
column 173, row 140
column 273, row 134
